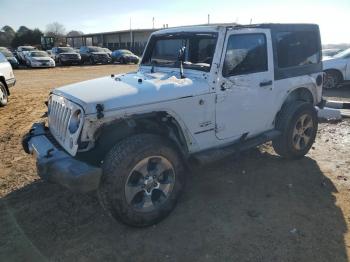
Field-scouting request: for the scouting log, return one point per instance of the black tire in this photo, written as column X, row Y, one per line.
column 118, row 170
column 3, row 95
column 298, row 132
column 123, row 61
column 92, row 61
column 60, row 62
column 333, row 79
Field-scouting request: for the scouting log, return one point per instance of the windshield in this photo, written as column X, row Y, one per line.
column 6, row 53
column 96, row 49
column 28, row 48
column 65, row 50
column 344, row 54
column 199, row 50
column 38, row 54
column 125, row 52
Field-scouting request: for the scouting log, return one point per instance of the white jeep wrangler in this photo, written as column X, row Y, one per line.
column 201, row 92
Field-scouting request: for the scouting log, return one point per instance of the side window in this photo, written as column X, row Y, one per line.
column 245, row 54
column 297, row 48
column 2, row 58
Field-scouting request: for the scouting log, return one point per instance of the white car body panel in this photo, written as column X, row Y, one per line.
column 6, row 70
column 340, row 64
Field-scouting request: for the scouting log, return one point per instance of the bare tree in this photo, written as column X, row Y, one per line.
column 75, row 33
column 75, row 40
column 55, row 29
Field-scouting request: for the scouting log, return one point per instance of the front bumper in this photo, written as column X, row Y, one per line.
column 102, row 59
column 11, row 82
column 55, row 165
column 44, row 65
column 71, row 60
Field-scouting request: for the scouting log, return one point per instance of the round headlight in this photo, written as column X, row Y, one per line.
column 74, row 122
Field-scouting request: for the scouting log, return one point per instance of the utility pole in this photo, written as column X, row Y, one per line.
column 131, row 43
column 153, row 22
column 208, row 19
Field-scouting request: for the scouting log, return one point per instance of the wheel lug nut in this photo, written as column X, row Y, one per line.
column 154, row 176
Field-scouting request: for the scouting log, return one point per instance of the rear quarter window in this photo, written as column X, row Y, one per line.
column 297, row 48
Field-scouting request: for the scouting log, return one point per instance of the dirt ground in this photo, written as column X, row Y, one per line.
column 257, row 207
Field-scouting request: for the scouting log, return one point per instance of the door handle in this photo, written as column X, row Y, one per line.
column 265, row 83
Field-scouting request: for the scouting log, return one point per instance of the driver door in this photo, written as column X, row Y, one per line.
column 245, row 91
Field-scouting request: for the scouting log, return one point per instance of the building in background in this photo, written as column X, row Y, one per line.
column 134, row 40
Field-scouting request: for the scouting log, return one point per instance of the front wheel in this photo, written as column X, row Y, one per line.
column 298, row 124
column 3, row 95
column 142, row 179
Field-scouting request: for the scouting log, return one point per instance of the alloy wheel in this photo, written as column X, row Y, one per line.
column 3, row 95
column 150, row 183
column 302, row 132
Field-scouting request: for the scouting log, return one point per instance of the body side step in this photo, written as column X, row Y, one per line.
column 215, row 154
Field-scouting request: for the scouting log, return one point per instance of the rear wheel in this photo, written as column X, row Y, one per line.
column 332, row 79
column 298, row 123
column 3, row 95
column 142, row 179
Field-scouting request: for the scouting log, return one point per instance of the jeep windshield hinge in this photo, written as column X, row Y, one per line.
column 181, row 59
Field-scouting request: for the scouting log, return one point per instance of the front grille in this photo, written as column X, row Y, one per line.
column 58, row 117
column 101, row 56
column 71, row 56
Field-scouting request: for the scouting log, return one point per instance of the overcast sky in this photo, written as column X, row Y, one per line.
column 92, row 16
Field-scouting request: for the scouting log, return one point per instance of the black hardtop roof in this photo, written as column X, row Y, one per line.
column 281, row 27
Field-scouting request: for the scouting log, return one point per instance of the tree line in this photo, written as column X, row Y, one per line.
column 26, row 36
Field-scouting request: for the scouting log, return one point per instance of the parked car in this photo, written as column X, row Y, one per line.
column 129, row 136
column 124, row 57
column 337, row 69
column 66, row 56
column 107, row 51
column 94, row 55
column 22, row 51
column 7, row 80
column 39, row 59
column 10, row 57
column 328, row 53
column 49, row 52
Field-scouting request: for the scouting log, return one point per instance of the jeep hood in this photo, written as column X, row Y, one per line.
column 132, row 89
